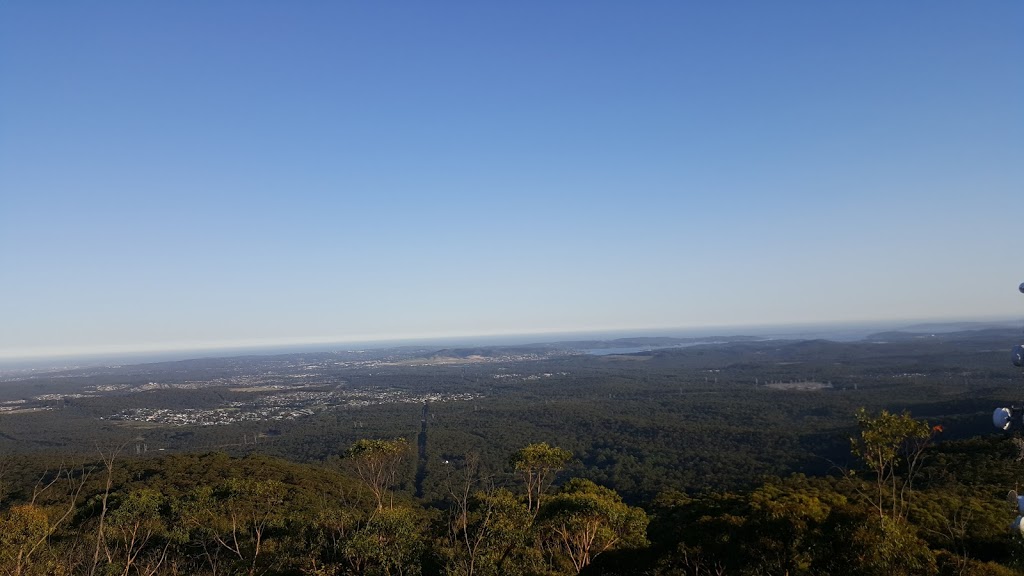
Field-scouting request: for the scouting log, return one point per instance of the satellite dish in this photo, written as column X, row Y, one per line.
column 1002, row 418
column 1018, row 355
column 1017, row 526
column 1016, row 500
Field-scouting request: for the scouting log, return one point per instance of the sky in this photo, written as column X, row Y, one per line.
column 200, row 174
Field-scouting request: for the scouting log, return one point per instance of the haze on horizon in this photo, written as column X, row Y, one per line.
column 195, row 173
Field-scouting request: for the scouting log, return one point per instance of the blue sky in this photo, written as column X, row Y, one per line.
column 197, row 174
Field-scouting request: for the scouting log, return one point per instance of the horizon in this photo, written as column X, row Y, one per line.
column 845, row 331
column 203, row 175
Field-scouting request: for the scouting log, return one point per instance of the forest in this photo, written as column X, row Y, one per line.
column 739, row 457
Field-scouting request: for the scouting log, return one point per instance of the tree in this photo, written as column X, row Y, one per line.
column 25, row 529
column 390, row 543
column 887, row 443
column 490, row 530
column 784, row 524
column 377, row 463
column 510, row 546
column 538, row 464
column 108, row 458
column 319, row 538
column 133, row 525
column 468, row 525
column 890, row 548
column 584, row 520
column 239, row 515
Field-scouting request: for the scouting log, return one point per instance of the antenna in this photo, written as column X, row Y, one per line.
column 1003, row 418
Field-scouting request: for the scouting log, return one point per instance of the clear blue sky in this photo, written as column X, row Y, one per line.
column 203, row 173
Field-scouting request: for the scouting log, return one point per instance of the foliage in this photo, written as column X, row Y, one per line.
column 664, row 422
column 215, row 515
column 377, row 464
column 892, row 446
column 390, row 543
column 134, row 530
column 585, row 520
column 537, row 464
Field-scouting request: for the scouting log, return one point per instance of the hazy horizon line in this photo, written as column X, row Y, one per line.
column 169, row 347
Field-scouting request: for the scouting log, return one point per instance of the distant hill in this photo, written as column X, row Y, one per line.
column 652, row 342
column 492, row 351
column 936, row 327
column 984, row 333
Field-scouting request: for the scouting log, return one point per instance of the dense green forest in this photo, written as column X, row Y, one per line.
column 741, row 457
column 911, row 507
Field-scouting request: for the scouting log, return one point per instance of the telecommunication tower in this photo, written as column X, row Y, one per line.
column 1005, row 418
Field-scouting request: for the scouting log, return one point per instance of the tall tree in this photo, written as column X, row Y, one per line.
column 584, row 520
column 133, row 526
column 490, row 530
column 377, row 463
column 892, row 446
column 538, row 464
